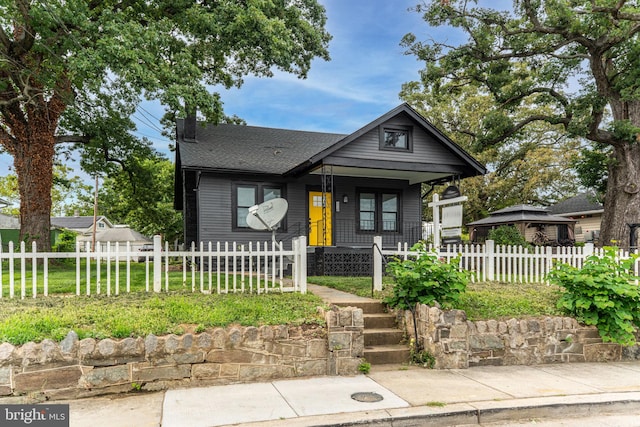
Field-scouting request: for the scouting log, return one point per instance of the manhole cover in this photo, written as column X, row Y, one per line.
column 366, row 397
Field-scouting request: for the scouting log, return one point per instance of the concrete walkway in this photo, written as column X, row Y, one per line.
column 410, row 396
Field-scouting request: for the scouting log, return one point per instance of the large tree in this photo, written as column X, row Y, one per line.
column 570, row 63
column 534, row 169
column 95, row 60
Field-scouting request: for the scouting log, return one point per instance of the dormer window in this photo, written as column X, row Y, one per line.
column 396, row 138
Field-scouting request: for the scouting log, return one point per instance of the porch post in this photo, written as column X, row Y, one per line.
column 157, row 263
column 377, row 263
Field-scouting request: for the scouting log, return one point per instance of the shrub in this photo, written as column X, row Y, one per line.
column 602, row 293
column 66, row 242
column 507, row 235
column 424, row 279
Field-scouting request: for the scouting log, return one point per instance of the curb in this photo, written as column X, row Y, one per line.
column 474, row 413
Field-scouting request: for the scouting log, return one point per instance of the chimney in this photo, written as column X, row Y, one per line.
column 190, row 124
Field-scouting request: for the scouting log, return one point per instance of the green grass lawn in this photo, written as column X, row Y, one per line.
column 139, row 314
column 481, row 301
column 62, row 278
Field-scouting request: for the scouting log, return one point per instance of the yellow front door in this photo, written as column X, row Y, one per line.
column 319, row 219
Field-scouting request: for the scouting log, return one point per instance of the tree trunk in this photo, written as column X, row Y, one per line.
column 33, row 161
column 622, row 200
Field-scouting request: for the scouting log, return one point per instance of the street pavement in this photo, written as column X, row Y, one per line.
column 411, row 396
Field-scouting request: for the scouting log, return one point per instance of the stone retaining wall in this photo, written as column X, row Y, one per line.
column 76, row 368
column 458, row 343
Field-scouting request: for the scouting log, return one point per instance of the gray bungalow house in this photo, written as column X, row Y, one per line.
column 341, row 189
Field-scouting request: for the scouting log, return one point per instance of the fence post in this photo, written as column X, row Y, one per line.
column 588, row 250
column 302, row 267
column 489, row 259
column 377, row 263
column 157, row 263
column 436, row 221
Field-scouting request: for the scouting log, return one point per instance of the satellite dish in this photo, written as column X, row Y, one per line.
column 267, row 215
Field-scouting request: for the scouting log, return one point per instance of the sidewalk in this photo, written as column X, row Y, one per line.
column 411, row 396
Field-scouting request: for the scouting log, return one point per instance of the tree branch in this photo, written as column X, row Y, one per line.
column 533, row 118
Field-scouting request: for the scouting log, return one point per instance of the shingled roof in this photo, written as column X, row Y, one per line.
column 521, row 213
column 252, row 149
column 75, row 222
column 230, row 148
column 579, row 204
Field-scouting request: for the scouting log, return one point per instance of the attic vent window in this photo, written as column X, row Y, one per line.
column 396, row 139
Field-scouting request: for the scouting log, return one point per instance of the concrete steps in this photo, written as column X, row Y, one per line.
column 382, row 338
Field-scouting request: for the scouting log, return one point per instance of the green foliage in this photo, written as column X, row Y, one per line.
column 602, row 293
column 82, row 68
column 592, row 167
column 525, row 59
column 364, row 367
column 143, row 198
column 66, row 242
column 421, row 357
column 507, row 235
column 424, row 279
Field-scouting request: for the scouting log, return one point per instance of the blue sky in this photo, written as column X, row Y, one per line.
column 360, row 83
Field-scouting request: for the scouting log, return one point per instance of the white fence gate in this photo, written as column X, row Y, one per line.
column 223, row 268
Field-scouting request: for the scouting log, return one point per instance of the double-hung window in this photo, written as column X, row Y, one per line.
column 247, row 195
column 378, row 211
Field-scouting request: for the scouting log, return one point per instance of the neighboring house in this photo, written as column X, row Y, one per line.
column 80, row 224
column 537, row 225
column 119, row 234
column 341, row 189
column 106, row 231
column 587, row 212
column 9, row 230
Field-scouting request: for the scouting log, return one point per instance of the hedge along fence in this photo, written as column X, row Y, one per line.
column 76, row 368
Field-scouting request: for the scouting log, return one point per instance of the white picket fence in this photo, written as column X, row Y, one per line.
column 489, row 262
column 221, row 268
